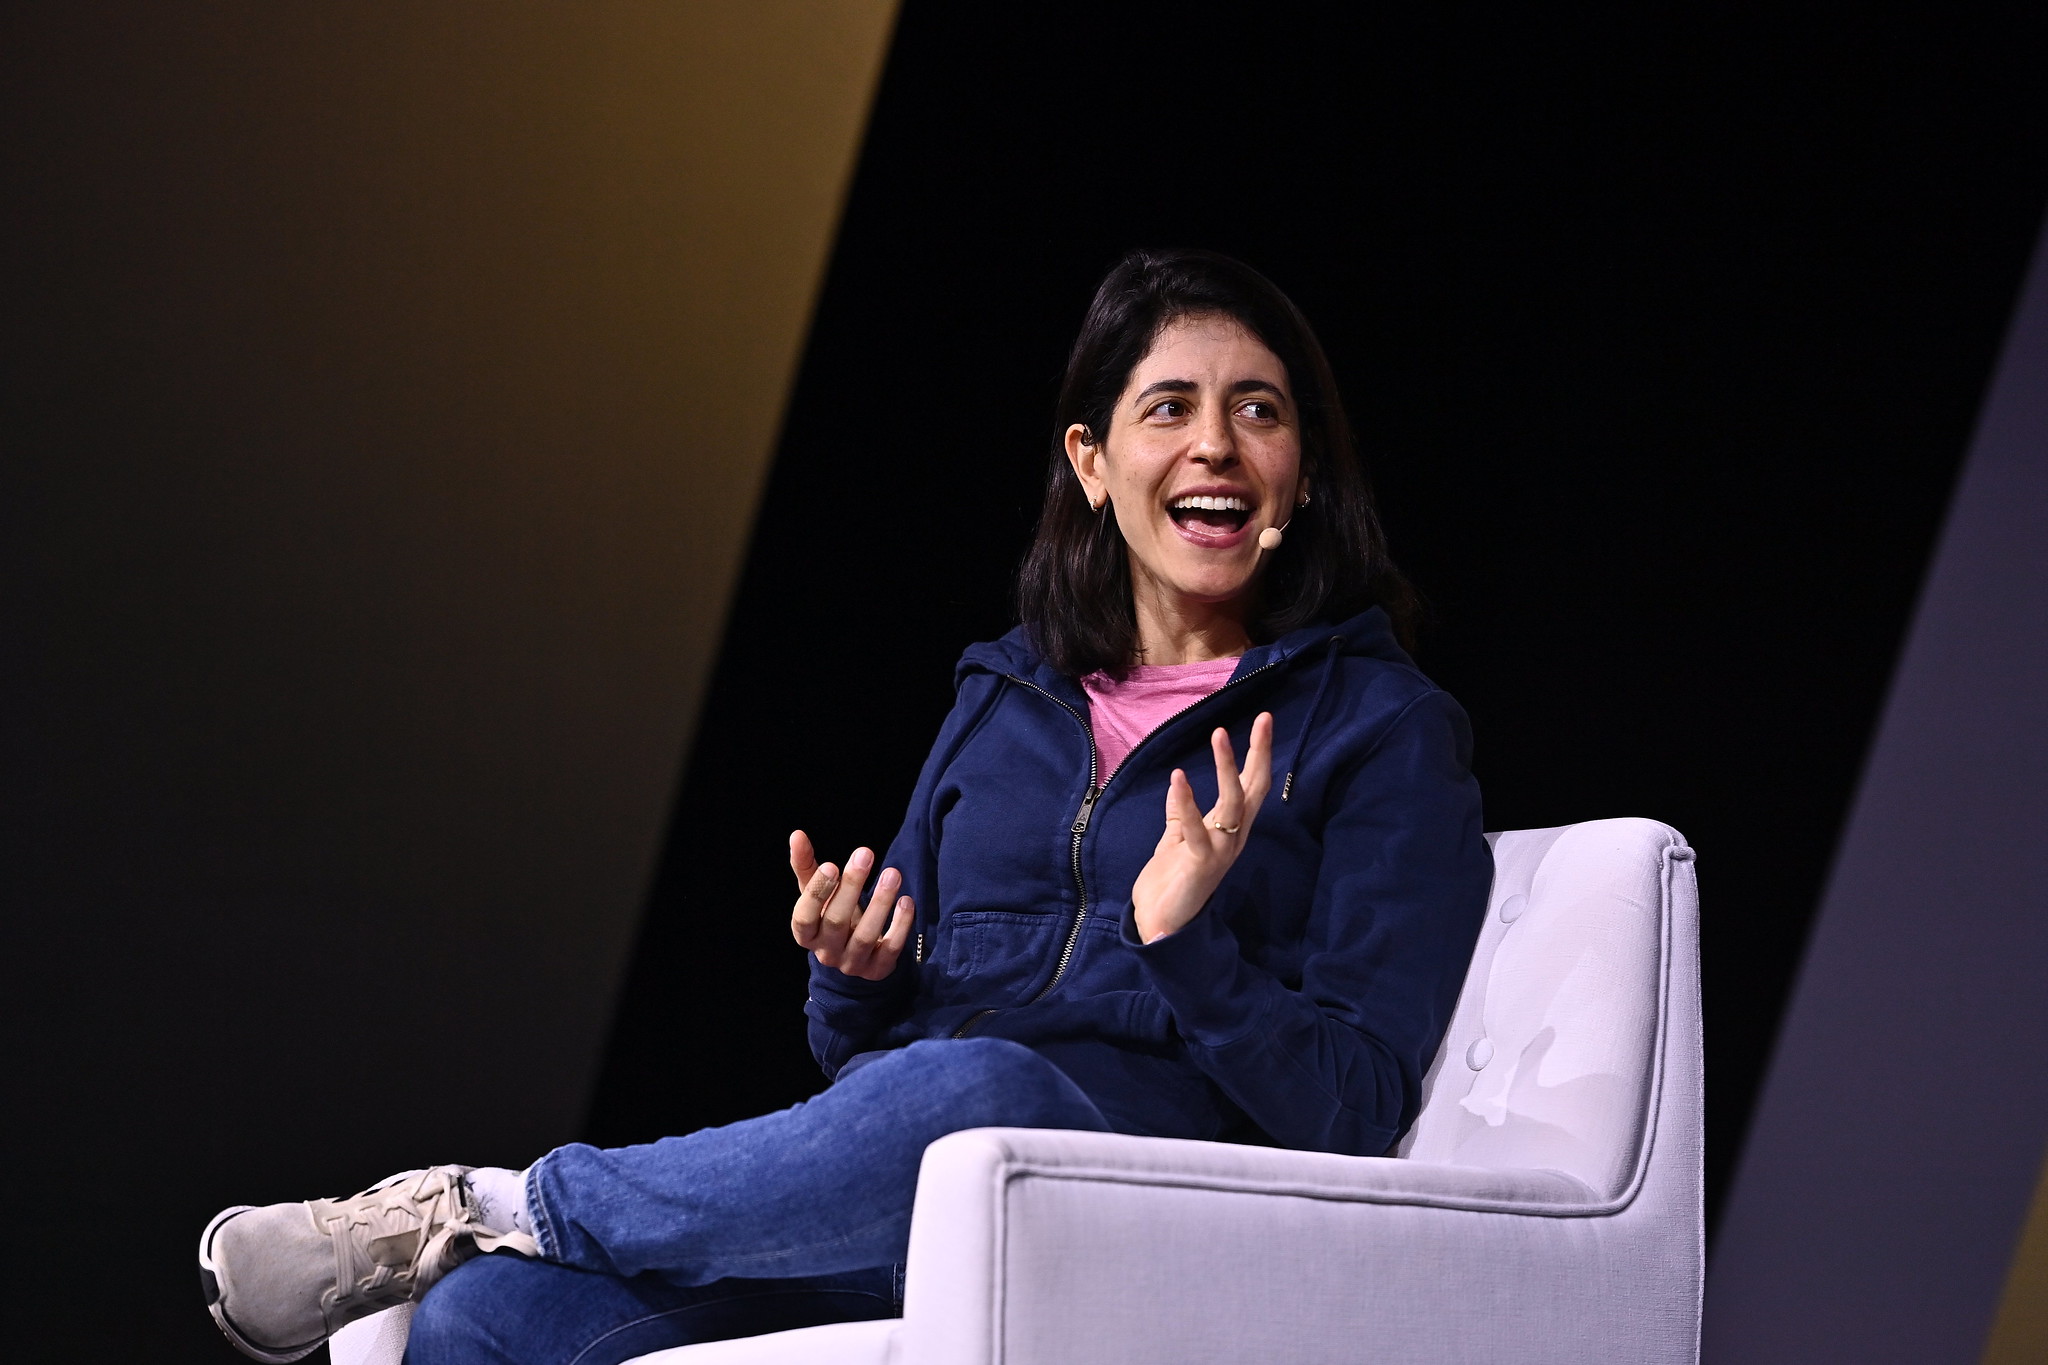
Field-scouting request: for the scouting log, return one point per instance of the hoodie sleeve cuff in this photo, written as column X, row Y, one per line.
column 1199, row 971
column 851, row 1004
column 835, row 982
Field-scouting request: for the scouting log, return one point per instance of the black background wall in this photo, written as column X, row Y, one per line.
column 1666, row 330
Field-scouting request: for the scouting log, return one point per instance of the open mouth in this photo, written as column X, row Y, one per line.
column 1214, row 516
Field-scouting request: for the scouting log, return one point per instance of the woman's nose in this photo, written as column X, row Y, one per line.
column 1215, row 444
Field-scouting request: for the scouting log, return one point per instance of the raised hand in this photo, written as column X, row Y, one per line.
column 828, row 919
column 1196, row 850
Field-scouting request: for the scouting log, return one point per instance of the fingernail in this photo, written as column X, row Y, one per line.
column 860, row 859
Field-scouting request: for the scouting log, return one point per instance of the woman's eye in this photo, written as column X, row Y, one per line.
column 1172, row 408
column 1259, row 410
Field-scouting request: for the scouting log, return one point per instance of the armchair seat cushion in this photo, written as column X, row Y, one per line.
column 838, row 1343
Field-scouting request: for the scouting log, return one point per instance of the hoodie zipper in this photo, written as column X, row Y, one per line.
column 1079, row 828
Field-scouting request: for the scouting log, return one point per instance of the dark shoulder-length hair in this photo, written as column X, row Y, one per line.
column 1074, row 592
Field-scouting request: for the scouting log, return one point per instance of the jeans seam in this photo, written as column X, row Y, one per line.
column 537, row 1210
column 550, row 1247
column 782, row 1253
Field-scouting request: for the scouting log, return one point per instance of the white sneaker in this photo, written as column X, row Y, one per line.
column 282, row 1279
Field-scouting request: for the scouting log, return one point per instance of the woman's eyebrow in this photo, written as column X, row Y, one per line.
column 1189, row 386
column 1165, row 386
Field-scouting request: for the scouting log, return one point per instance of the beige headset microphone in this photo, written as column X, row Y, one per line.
column 1270, row 538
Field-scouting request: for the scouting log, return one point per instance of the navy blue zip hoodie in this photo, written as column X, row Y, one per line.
column 1307, row 998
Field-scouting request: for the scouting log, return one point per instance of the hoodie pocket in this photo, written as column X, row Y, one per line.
column 995, row 956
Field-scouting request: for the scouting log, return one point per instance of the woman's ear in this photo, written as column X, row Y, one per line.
column 1086, row 458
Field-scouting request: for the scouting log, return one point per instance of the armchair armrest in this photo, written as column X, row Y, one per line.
column 1040, row 1246
column 984, row 1155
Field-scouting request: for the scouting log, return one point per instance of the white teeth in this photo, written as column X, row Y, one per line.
column 1205, row 504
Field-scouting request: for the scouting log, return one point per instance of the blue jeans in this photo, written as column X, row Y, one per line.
column 789, row 1220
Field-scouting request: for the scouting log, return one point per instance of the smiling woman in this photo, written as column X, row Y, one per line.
column 1091, row 918
column 1198, row 413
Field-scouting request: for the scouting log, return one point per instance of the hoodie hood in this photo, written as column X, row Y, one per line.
column 1367, row 635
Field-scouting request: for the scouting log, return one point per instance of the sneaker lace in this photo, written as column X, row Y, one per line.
column 395, row 1239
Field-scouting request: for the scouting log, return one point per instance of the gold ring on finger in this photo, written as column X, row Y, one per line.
column 1227, row 829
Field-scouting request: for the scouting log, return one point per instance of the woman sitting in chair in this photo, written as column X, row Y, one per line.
column 1092, row 918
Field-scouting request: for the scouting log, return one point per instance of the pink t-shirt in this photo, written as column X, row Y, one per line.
column 1123, row 713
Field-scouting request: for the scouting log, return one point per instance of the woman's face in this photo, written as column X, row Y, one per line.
column 1203, row 452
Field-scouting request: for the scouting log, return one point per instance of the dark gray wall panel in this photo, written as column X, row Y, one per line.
column 1897, row 1141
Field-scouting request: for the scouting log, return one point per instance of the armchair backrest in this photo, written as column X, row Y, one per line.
column 1553, row 1056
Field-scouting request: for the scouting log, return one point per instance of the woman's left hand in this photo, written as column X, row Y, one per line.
column 1196, row 850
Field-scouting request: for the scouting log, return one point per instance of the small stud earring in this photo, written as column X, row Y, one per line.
column 1095, row 506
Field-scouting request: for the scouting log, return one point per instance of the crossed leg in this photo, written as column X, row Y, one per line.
column 791, row 1219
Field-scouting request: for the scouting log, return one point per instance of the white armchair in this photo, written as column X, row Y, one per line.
column 1545, row 1207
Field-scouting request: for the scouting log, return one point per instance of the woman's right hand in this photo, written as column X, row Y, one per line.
column 828, row 919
